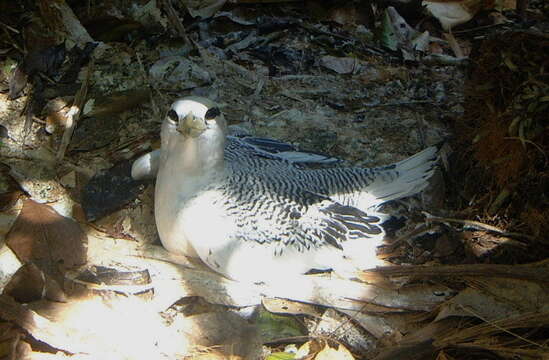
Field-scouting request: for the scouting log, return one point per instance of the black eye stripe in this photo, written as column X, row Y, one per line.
column 172, row 115
column 212, row 113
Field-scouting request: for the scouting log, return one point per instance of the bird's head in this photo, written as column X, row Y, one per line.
column 194, row 128
column 195, row 116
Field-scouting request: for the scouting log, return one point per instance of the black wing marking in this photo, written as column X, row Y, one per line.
column 278, row 150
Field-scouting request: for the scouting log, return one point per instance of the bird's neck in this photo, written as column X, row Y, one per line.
column 199, row 156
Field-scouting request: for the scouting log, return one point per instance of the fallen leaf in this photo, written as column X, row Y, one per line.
column 18, row 81
column 309, row 348
column 284, row 306
column 53, row 242
column 329, row 353
column 274, row 327
column 453, row 13
column 9, row 189
column 341, row 65
column 281, row 356
column 494, row 299
column 29, row 283
column 338, row 328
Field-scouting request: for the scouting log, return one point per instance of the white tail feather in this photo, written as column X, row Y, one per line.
column 402, row 179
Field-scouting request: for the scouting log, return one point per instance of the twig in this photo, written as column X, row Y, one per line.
column 300, row 77
column 526, row 141
column 154, row 105
column 534, row 272
column 494, row 324
column 480, row 28
column 396, row 103
column 527, row 320
column 479, row 226
column 6, row 26
column 420, row 230
column 370, row 48
column 74, row 113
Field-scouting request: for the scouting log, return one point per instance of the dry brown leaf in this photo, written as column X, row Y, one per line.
column 311, row 347
column 341, row 65
column 455, row 12
column 53, row 242
column 9, row 189
column 493, row 299
column 29, row 284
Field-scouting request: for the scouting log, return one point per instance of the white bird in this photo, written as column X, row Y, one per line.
column 254, row 214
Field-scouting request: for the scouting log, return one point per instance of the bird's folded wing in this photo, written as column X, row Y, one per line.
column 278, row 150
column 308, row 220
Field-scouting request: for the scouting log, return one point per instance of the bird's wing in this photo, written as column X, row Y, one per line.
column 146, row 166
column 365, row 188
column 277, row 150
column 290, row 215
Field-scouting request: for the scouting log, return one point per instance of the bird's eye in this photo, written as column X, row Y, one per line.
column 212, row 113
column 172, row 115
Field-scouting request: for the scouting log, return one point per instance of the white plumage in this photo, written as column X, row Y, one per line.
column 252, row 211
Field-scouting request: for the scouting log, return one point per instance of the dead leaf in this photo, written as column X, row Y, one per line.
column 284, row 306
column 344, row 329
column 9, row 189
column 453, row 13
column 56, row 110
column 225, row 331
column 309, row 348
column 339, row 353
column 53, row 242
column 18, row 81
column 341, row 65
column 29, row 283
column 9, row 337
column 494, row 299
column 115, row 103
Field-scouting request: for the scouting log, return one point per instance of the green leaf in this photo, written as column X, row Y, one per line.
column 281, row 356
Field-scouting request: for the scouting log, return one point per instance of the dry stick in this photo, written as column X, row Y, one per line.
column 74, row 113
column 534, row 354
column 395, row 103
column 535, row 272
column 530, row 319
column 479, row 226
column 494, row 324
